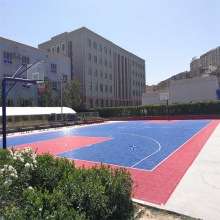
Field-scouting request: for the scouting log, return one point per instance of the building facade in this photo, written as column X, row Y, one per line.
column 211, row 57
column 109, row 75
column 187, row 90
column 14, row 55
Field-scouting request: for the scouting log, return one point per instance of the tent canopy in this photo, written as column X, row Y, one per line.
column 20, row 111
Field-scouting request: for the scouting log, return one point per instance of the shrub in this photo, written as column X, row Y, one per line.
column 192, row 108
column 40, row 187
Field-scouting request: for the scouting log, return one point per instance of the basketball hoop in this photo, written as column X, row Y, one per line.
column 41, row 87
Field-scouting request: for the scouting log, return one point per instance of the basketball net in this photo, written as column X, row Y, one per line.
column 41, row 87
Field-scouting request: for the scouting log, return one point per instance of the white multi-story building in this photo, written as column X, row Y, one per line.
column 109, row 75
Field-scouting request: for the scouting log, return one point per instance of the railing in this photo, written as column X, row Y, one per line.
column 88, row 114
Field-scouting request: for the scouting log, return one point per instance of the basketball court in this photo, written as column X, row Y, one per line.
column 157, row 153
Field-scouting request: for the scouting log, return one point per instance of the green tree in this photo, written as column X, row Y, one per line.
column 20, row 100
column 31, row 100
column 71, row 94
column 46, row 98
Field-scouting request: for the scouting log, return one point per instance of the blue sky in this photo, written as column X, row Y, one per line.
column 165, row 33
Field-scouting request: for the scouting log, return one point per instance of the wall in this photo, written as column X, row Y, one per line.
column 188, row 90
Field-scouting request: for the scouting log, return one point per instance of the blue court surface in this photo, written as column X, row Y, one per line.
column 135, row 144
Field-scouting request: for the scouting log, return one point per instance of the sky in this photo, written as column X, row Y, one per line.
column 167, row 34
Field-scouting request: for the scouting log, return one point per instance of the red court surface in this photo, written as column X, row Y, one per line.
column 62, row 144
column 154, row 186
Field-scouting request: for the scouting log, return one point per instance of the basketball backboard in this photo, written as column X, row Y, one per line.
column 36, row 72
column 164, row 96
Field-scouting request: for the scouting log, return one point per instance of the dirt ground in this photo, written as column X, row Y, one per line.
column 147, row 212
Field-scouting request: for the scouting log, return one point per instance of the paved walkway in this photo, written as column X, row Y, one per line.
column 198, row 193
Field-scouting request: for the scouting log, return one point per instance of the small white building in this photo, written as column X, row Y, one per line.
column 187, row 90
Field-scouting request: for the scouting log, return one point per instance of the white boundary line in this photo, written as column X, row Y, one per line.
column 150, row 154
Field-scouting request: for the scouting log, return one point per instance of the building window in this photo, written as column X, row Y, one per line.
column 106, row 88
column 109, row 52
column 110, row 76
column 95, row 72
column 110, row 89
column 58, row 49
column 54, row 85
column 65, row 78
column 106, row 103
column 94, row 45
column 25, row 61
column 95, row 59
column 100, row 74
column 53, row 49
column 100, row 61
column 106, row 75
column 89, row 86
column 105, row 49
column 133, row 83
column 136, row 64
column 89, row 43
column 110, row 64
column 10, row 102
column 105, row 63
column 111, row 103
column 89, row 71
column 48, row 50
column 89, row 56
column 53, row 68
column 133, row 62
column 102, row 105
column 8, row 83
column 26, row 103
column 8, row 57
column 96, row 103
column 101, row 88
column 63, row 47
column 24, row 85
column 100, row 47
column 96, row 86
column 90, row 103
column 133, row 93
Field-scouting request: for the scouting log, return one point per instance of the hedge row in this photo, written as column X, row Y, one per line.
column 192, row 108
column 41, row 187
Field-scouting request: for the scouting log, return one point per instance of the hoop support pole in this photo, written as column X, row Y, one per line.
column 4, row 103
